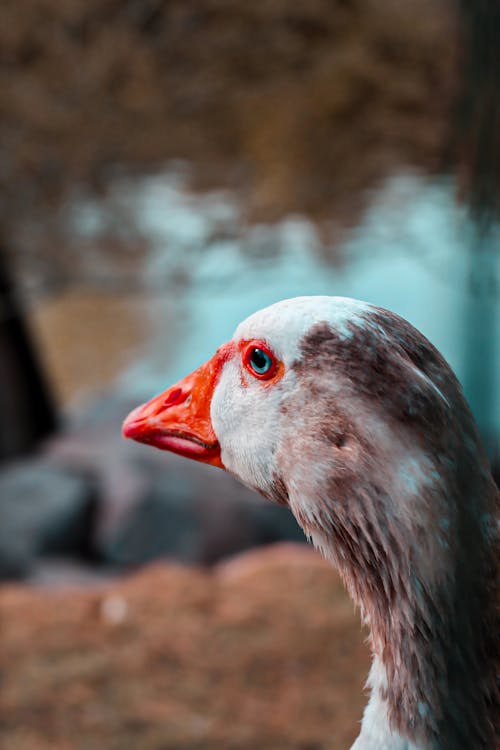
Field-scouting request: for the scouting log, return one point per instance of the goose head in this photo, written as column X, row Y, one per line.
column 347, row 414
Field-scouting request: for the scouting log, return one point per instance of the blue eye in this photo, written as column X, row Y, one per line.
column 260, row 361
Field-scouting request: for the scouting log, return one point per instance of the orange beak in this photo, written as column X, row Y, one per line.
column 178, row 420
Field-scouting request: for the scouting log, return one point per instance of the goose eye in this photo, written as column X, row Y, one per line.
column 260, row 362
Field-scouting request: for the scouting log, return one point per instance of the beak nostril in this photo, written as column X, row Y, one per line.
column 175, row 397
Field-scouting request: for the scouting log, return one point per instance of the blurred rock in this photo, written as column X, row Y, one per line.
column 92, row 496
column 43, row 510
column 197, row 516
column 122, row 471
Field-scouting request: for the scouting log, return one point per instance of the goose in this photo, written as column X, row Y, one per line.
column 347, row 414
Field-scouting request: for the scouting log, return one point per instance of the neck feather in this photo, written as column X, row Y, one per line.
column 425, row 583
column 414, row 535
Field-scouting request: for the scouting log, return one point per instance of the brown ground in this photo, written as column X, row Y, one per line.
column 263, row 654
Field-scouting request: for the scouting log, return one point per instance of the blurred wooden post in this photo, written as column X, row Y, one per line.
column 480, row 334
column 478, row 131
column 27, row 411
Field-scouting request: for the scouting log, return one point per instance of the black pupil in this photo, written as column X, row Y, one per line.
column 261, row 362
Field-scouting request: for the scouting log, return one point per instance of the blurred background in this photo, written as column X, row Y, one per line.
column 166, row 168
